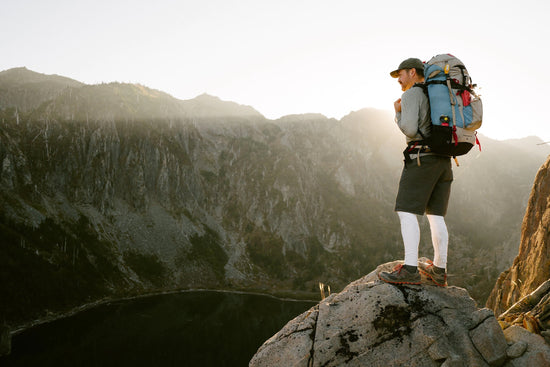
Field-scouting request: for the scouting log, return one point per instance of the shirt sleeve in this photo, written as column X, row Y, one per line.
column 409, row 118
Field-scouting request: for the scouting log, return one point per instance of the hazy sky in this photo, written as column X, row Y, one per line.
column 284, row 57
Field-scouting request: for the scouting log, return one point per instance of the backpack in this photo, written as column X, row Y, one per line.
column 456, row 110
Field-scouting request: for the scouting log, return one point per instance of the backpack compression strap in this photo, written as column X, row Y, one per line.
column 454, row 85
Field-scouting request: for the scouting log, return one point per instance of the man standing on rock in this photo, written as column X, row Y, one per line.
column 425, row 183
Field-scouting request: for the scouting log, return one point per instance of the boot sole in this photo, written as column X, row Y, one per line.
column 392, row 282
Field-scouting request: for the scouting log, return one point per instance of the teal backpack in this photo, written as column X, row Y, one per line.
column 455, row 109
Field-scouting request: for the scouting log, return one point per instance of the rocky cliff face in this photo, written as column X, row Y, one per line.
column 531, row 267
column 117, row 188
column 371, row 323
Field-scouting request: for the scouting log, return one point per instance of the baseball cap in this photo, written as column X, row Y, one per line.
column 408, row 64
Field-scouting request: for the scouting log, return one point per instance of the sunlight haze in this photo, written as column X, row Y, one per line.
column 286, row 57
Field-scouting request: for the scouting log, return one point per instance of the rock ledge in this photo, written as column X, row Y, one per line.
column 371, row 323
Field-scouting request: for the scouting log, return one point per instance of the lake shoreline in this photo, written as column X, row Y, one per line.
column 280, row 295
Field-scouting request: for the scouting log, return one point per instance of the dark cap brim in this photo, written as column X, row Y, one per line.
column 411, row 63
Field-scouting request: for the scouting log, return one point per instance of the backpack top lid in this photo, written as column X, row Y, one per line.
column 435, row 69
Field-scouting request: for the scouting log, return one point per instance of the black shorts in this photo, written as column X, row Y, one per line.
column 425, row 188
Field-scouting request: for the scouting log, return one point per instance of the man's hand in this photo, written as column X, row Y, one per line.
column 397, row 105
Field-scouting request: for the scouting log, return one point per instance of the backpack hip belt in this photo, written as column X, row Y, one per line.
column 416, row 149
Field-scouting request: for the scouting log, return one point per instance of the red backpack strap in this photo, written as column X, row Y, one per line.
column 478, row 143
column 455, row 137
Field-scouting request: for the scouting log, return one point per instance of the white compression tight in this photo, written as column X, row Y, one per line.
column 411, row 238
column 440, row 239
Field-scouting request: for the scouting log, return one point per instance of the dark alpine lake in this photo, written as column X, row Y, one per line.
column 198, row 328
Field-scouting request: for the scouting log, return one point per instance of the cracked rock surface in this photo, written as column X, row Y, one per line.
column 371, row 323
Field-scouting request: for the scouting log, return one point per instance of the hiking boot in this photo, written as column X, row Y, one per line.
column 428, row 270
column 400, row 275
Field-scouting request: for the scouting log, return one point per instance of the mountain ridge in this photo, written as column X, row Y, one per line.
column 22, row 76
column 128, row 98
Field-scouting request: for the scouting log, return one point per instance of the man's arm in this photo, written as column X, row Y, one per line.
column 408, row 118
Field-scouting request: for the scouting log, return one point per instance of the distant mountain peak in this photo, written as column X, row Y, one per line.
column 206, row 105
column 26, row 89
column 15, row 70
column 206, row 96
column 22, row 75
column 301, row 117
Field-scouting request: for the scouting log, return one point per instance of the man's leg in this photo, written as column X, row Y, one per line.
column 407, row 273
column 440, row 239
column 436, row 271
column 410, row 231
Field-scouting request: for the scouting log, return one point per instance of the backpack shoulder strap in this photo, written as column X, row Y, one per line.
column 423, row 86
